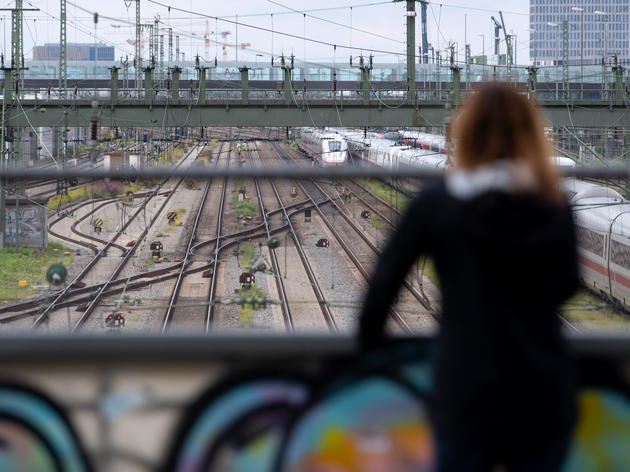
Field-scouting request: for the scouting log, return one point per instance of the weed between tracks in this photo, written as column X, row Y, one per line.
column 110, row 189
column 244, row 207
column 387, row 193
column 246, row 311
column 587, row 307
column 247, row 257
column 30, row 265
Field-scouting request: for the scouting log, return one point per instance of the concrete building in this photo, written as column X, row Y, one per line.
column 595, row 29
column 74, row 52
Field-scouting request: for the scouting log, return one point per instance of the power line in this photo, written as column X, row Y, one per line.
column 311, row 10
column 304, row 12
column 268, row 30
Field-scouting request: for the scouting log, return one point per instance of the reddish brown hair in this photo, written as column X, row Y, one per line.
column 496, row 123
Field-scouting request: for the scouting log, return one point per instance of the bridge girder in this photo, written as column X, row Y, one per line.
column 79, row 113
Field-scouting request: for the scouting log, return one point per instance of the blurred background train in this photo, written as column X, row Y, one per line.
column 601, row 213
column 326, row 148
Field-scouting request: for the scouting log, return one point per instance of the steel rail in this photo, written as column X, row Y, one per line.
column 284, row 304
column 234, row 239
column 101, row 253
column 239, row 235
column 168, row 315
column 215, row 263
column 94, row 303
column 74, row 229
column 424, row 301
column 319, row 294
column 355, row 260
column 90, row 246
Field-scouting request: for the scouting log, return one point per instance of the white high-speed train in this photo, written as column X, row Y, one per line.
column 327, row 148
column 602, row 219
column 388, row 154
column 427, row 141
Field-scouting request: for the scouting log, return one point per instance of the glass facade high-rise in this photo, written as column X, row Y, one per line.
column 595, row 29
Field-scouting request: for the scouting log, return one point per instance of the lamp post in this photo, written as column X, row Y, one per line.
column 555, row 26
column 483, row 53
column 603, row 14
column 581, row 10
column 534, row 41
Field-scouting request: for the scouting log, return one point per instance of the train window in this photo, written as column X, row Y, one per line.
column 620, row 254
column 590, row 240
column 334, row 146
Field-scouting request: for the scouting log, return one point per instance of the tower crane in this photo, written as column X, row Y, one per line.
column 508, row 40
column 225, row 45
column 425, row 36
column 497, row 39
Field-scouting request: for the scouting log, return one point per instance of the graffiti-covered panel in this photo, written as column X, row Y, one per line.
column 27, row 223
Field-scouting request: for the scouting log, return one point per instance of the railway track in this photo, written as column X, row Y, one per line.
column 284, row 304
column 63, row 294
column 171, row 309
column 130, row 251
column 314, row 283
column 312, row 188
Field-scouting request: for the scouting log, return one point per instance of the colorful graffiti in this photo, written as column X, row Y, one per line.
column 367, row 415
column 365, row 418
column 27, row 226
column 35, row 435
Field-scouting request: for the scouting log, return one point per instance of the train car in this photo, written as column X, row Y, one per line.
column 602, row 219
column 426, row 141
column 390, row 155
column 326, row 147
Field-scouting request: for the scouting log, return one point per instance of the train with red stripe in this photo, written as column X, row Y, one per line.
column 602, row 214
column 602, row 220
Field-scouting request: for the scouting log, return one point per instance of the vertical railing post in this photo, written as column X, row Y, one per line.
column 244, row 84
column 175, row 73
column 114, row 85
column 532, row 79
column 148, row 85
column 202, row 83
column 619, row 88
column 455, row 86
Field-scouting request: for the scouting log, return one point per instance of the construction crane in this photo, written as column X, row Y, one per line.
column 425, row 36
column 508, row 41
column 497, row 39
column 225, row 45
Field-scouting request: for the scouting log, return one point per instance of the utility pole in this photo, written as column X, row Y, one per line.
column 63, row 62
column 177, row 49
column 411, row 47
column 467, row 59
column 170, row 47
column 161, row 61
column 138, row 58
column 438, row 78
column 13, row 89
column 63, row 85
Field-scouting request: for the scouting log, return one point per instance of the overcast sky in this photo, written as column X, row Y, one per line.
column 457, row 21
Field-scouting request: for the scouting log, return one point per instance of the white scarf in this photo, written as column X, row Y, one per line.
column 502, row 175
